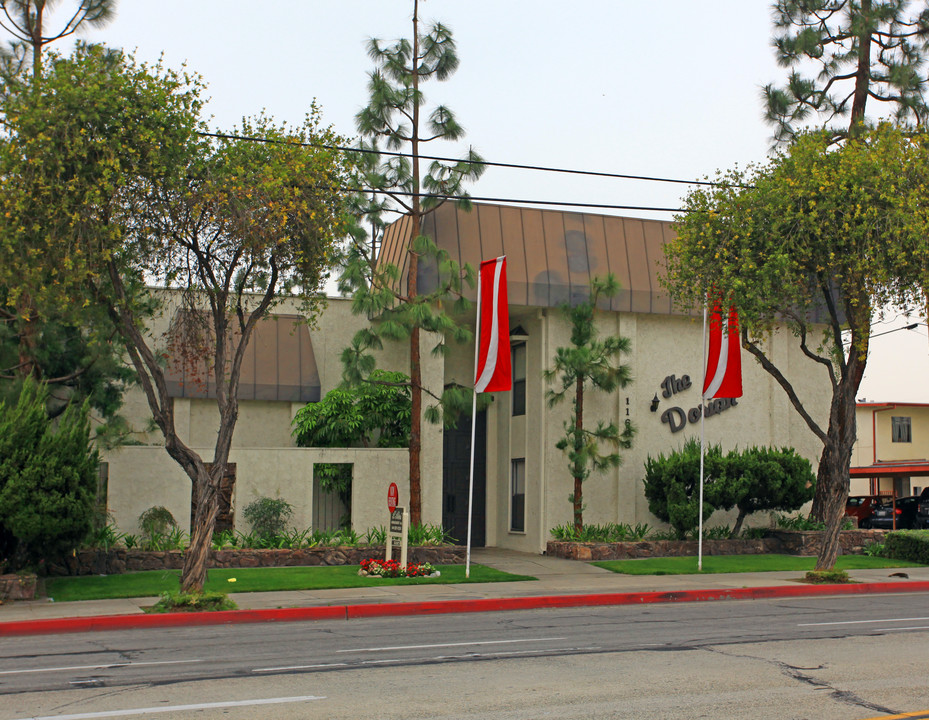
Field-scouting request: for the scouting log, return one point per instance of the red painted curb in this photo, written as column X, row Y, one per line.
column 350, row 612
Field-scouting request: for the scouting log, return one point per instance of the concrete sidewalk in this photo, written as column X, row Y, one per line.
column 560, row 583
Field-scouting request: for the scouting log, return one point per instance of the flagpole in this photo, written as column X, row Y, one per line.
column 477, row 343
column 702, row 442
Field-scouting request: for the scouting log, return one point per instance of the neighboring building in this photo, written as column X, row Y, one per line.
column 891, row 456
column 521, row 479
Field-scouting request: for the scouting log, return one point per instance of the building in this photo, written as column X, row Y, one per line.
column 891, row 456
column 522, row 481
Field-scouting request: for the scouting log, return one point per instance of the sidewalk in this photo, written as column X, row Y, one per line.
column 561, row 583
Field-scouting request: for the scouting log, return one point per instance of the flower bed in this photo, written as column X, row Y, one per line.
column 375, row 567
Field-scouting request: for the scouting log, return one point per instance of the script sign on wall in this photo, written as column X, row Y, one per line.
column 676, row 418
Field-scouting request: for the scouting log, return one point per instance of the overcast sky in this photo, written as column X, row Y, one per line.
column 668, row 88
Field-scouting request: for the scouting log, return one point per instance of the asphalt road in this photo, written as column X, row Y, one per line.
column 849, row 657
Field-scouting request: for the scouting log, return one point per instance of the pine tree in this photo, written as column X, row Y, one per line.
column 863, row 50
column 589, row 362
column 402, row 311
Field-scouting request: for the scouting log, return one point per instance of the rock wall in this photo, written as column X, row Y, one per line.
column 785, row 542
column 16, row 586
column 120, row 560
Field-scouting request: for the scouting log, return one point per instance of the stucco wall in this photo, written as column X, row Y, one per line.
column 146, row 476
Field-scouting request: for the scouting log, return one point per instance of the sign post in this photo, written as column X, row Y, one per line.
column 399, row 527
column 397, row 534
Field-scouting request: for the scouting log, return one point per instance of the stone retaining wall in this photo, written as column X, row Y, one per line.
column 786, row 542
column 17, row 586
column 120, row 560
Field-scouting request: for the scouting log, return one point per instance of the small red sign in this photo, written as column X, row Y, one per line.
column 393, row 495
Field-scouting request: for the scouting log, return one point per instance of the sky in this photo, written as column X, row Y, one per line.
column 667, row 88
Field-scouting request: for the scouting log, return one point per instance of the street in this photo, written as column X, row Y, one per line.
column 849, row 657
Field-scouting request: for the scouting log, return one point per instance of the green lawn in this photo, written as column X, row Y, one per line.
column 741, row 563
column 155, row 582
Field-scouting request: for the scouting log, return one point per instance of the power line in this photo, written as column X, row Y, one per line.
column 487, row 163
column 559, row 203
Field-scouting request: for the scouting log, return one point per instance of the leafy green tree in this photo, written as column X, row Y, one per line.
column 862, row 50
column 590, row 362
column 375, row 412
column 762, row 479
column 672, row 485
column 126, row 193
column 25, row 20
column 48, row 479
column 399, row 309
column 76, row 358
column 812, row 242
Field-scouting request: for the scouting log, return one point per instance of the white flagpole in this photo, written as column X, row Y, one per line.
column 702, row 442
column 477, row 345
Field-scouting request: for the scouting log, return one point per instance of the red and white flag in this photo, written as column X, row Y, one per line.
column 492, row 370
column 723, row 378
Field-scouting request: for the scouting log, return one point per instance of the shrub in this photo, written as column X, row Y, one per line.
column 763, row 479
column 911, row 545
column 48, row 479
column 672, row 486
column 825, row 577
column 268, row 516
column 610, row 532
column 192, row 602
column 157, row 520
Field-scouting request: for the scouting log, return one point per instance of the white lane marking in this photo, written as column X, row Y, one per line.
column 298, row 667
column 862, row 622
column 917, row 627
column 179, row 708
column 441, row 645
column 102, row 666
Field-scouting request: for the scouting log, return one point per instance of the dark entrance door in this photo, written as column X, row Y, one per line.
column 455, row 469
column 224, row 518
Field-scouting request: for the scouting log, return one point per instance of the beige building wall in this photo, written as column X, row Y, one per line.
column 267, row 461
column 876, row 445
column 662, row 346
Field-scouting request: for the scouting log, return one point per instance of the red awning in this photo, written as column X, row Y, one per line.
column 913, row 468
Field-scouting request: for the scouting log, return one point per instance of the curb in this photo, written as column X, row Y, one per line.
column 355, row 612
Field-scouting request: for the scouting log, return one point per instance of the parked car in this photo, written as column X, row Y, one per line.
column 860, row 507
column 922, row 512
column 904, row 509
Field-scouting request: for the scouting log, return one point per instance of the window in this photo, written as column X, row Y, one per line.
column 519, row 379
column 900, row 429
column 518, row 495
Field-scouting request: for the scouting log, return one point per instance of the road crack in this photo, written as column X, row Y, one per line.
column 802, row 675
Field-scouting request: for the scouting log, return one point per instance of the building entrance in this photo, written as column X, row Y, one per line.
column 456, row 459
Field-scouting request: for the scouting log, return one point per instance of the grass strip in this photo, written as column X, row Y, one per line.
column 741, row 564
column 155, row 582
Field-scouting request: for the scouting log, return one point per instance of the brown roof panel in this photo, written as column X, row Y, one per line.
column 279, row 364
column 552, row 255
column 515, row 247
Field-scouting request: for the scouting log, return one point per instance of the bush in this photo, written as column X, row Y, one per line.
column 268, row 516
column 192, row 602
column 763, row 479
column 48, row 479
column 911, row 545
column 156, row 520
column 751, row 480
column 672, row 486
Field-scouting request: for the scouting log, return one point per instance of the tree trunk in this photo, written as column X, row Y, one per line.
column 737, row 528
column 416, row 376
column 416, row 443
column 578, row 467
column 832, row 475
column 206, row 490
